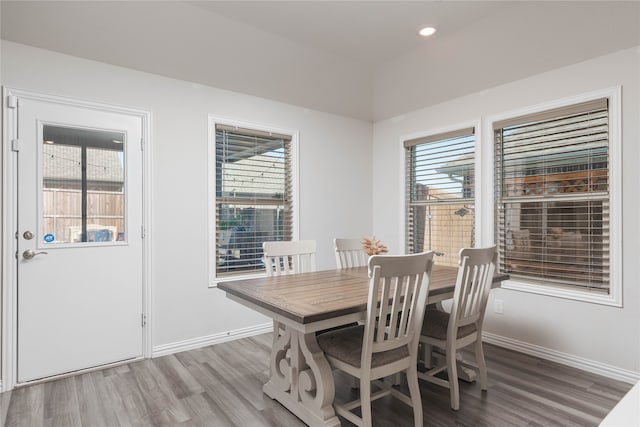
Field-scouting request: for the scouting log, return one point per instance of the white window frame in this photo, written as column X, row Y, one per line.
column 614, row 298
column 479, row 202
column 211, row 189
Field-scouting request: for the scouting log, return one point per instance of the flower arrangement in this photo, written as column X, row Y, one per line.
column 374, row 246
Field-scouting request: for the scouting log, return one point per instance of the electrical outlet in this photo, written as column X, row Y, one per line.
column 498, row 306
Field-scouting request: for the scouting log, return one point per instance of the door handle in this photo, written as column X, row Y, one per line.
column 30, row 253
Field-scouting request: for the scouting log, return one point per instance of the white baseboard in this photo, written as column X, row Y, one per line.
column 588, row 365
column 190, row 344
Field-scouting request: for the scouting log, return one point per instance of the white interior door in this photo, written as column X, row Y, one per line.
column 79, row 242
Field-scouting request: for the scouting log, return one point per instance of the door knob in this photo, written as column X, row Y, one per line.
column 29, row 253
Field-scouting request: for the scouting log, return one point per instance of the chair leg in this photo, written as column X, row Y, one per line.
column 365, row 401
column 452, row 371
column 427, row 353
column 414, row 392
column 397, row 379
column 482, row 366
column 355, row 383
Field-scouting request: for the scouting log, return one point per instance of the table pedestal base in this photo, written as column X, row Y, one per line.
column 301, row 378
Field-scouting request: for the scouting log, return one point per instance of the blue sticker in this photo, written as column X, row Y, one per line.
column 48, row 238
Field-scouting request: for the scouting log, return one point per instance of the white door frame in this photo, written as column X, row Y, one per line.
column 9, row 284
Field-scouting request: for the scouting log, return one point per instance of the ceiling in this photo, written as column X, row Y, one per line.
column 361, row 59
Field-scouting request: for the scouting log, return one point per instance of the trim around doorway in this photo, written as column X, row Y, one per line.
column 10, row 98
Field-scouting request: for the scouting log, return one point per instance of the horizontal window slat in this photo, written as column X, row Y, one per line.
column 460, row 134
column 586, row 121
column 441, row 202
column 588, row 132
column 561, row 113
column 248, row 201
column 436, row 188
column 442, row 158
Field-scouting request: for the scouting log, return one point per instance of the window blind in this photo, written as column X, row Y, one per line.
column 552, row 192
column 440, row 191
column 253, row 196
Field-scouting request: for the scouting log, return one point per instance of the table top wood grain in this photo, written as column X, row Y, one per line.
column 312, row 297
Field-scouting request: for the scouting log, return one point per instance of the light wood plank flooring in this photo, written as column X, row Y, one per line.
column 221, row 385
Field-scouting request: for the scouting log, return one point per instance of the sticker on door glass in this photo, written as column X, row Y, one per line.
column 49, row 238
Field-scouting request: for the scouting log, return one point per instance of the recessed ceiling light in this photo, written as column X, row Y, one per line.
column 48, row 141
column 427, row 31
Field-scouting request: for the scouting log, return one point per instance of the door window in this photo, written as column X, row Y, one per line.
column 83, row 185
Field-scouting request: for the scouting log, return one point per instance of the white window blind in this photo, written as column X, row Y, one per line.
column 440, row 181
column 253, row 196
column 552, row 178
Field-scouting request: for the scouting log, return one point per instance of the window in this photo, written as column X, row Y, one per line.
column 440, row 191
column 253, row 196
column 553, row 197
column 83, row 186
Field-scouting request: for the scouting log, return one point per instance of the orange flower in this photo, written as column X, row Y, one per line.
column 374, row 246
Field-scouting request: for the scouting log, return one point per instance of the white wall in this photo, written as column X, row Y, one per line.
column 335, row 169
column 583, row 331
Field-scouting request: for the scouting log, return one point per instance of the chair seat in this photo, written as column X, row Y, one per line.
column 345, row 345
column 436, row 323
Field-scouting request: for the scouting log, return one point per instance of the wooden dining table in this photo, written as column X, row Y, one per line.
column 305, row 303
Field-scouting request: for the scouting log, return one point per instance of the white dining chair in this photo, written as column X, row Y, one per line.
column 288, row 257
column 463, row 326
column 349, row 253
column 388, row 341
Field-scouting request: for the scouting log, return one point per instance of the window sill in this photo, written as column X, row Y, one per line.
column 613, row 299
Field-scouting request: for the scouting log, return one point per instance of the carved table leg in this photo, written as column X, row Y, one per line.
column 302, row 382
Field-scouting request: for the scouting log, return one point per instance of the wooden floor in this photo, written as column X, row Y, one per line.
column 221, row 385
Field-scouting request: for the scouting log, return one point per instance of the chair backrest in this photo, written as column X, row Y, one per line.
column 349, row 253
column 297, row 256
column 398, row 291
column 475, row 275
